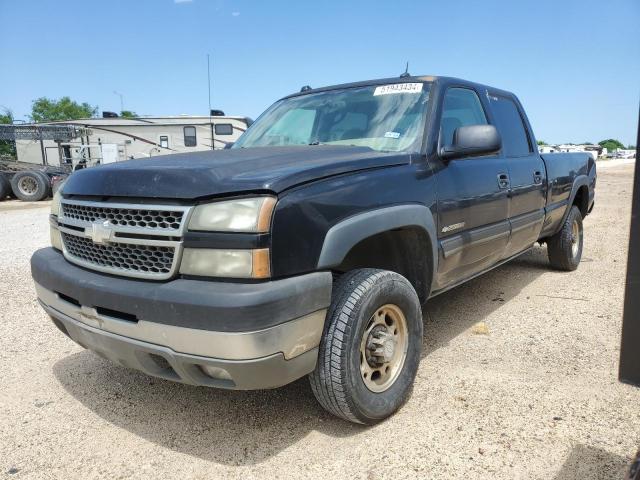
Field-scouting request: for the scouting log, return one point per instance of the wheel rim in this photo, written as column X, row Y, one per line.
column 575, row 238
column 383, row 348
column 28, row 186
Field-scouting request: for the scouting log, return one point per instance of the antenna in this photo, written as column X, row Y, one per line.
column 209, row 85
column 406, row 72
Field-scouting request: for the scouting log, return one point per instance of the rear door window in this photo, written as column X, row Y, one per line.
column 515, row 140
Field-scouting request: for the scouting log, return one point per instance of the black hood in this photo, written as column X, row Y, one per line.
column 211, row 173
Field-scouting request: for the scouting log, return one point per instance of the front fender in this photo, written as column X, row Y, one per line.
column 343, row 236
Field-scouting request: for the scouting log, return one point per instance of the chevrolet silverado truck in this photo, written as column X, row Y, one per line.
column 310, row 246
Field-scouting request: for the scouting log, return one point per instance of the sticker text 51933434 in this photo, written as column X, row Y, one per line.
column 398, row 88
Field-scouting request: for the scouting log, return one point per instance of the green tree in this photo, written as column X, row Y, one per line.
column 128, row 114
column 7, row 147
column 611, row 144
column 541, row 142
column 45, row 109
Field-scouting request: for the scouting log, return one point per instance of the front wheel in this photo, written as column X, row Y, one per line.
column 370, row 350
column 565, row 247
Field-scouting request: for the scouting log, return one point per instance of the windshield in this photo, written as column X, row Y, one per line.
column 384, row 118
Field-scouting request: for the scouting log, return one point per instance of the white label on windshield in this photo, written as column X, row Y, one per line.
column 398, row 88
column 392, row 135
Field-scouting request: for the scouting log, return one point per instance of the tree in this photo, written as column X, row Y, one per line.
column 45, row 109
column 611, row 144
column 128, row 114
column 541, row 142
column 7, row 147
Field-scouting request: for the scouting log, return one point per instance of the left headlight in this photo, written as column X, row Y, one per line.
column 248, row 215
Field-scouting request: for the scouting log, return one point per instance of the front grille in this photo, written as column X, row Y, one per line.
column 128, row 239
column 121, row 257
column 125, row 217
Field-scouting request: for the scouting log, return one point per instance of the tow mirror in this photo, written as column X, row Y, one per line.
column 472, row 140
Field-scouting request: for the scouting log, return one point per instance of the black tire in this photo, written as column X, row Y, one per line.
column 47, row 181
column 565, row 247
column 5, row 187
column 337, row 381
column 30, row 186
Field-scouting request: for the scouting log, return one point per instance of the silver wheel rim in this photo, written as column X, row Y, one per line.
column 575, row 238
column 28, row 185
column 383, row 348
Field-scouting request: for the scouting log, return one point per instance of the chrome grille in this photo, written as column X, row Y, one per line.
column 134, row 240
column 125, row 257
column 126, row 217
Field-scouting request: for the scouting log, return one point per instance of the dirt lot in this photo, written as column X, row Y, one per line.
column 535, row 397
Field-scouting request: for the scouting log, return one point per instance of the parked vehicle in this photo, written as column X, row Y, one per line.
column 30, row 183
column 309, row 247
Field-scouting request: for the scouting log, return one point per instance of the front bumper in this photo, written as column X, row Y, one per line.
column 250, row 336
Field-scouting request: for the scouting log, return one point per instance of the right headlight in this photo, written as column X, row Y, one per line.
column 249, row 215
column 56, row 205
column 56, row 202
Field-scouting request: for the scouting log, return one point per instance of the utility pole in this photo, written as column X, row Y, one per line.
column 121, row 101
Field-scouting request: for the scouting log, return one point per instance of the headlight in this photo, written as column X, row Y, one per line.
column 55, row 203
column 56, row 237
column 251, row 215
column 225, row 263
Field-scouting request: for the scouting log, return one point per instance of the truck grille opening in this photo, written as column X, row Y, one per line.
column 125, row 217
column 121, row 257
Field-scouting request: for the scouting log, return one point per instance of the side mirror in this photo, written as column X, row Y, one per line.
column 472, row 140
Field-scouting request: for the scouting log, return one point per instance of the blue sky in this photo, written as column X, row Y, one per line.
column 575, row 64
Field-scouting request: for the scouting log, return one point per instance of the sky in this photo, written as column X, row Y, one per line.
column 574, row 64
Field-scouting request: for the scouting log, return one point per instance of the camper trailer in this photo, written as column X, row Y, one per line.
column 114, row 138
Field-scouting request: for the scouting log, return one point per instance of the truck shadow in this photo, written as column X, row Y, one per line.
column 245, row 428
column 589, row 462
column 223, row 426
column 451, row 313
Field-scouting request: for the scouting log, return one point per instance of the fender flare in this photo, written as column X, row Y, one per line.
column 580, row 181
column 349, row 232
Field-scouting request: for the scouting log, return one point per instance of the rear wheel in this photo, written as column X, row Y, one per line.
column 565, row 247
column 30, row 186
column 370, row 350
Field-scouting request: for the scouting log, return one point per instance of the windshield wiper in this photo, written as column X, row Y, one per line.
column 316, row 142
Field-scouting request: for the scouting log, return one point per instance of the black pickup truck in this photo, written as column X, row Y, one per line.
column 309, row 247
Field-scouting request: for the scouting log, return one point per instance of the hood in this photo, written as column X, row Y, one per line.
column 211, row 173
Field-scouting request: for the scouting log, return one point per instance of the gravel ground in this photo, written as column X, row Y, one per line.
column 532, row 393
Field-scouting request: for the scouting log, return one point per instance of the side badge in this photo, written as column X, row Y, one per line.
column 450, row 228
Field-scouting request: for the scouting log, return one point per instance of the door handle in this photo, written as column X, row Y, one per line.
column 537, row 178
column 503, row 181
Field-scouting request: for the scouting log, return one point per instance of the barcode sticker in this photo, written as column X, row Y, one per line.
column 398, row 88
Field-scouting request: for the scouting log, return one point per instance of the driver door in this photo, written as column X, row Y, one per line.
column 473, row 225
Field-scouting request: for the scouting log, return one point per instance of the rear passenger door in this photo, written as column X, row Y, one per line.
column 472, row 196
column 526, row 171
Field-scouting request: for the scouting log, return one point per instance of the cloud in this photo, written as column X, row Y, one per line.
column 182, row 1
column 235, row 14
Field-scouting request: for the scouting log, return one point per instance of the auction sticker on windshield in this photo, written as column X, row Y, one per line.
column 398, row 88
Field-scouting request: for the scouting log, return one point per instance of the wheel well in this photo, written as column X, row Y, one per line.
column 406, row 251
column 581, row 200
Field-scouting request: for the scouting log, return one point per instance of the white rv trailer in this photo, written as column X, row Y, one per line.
column 139, row 137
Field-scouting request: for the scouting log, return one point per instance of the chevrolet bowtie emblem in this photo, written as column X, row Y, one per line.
column 99, row 232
